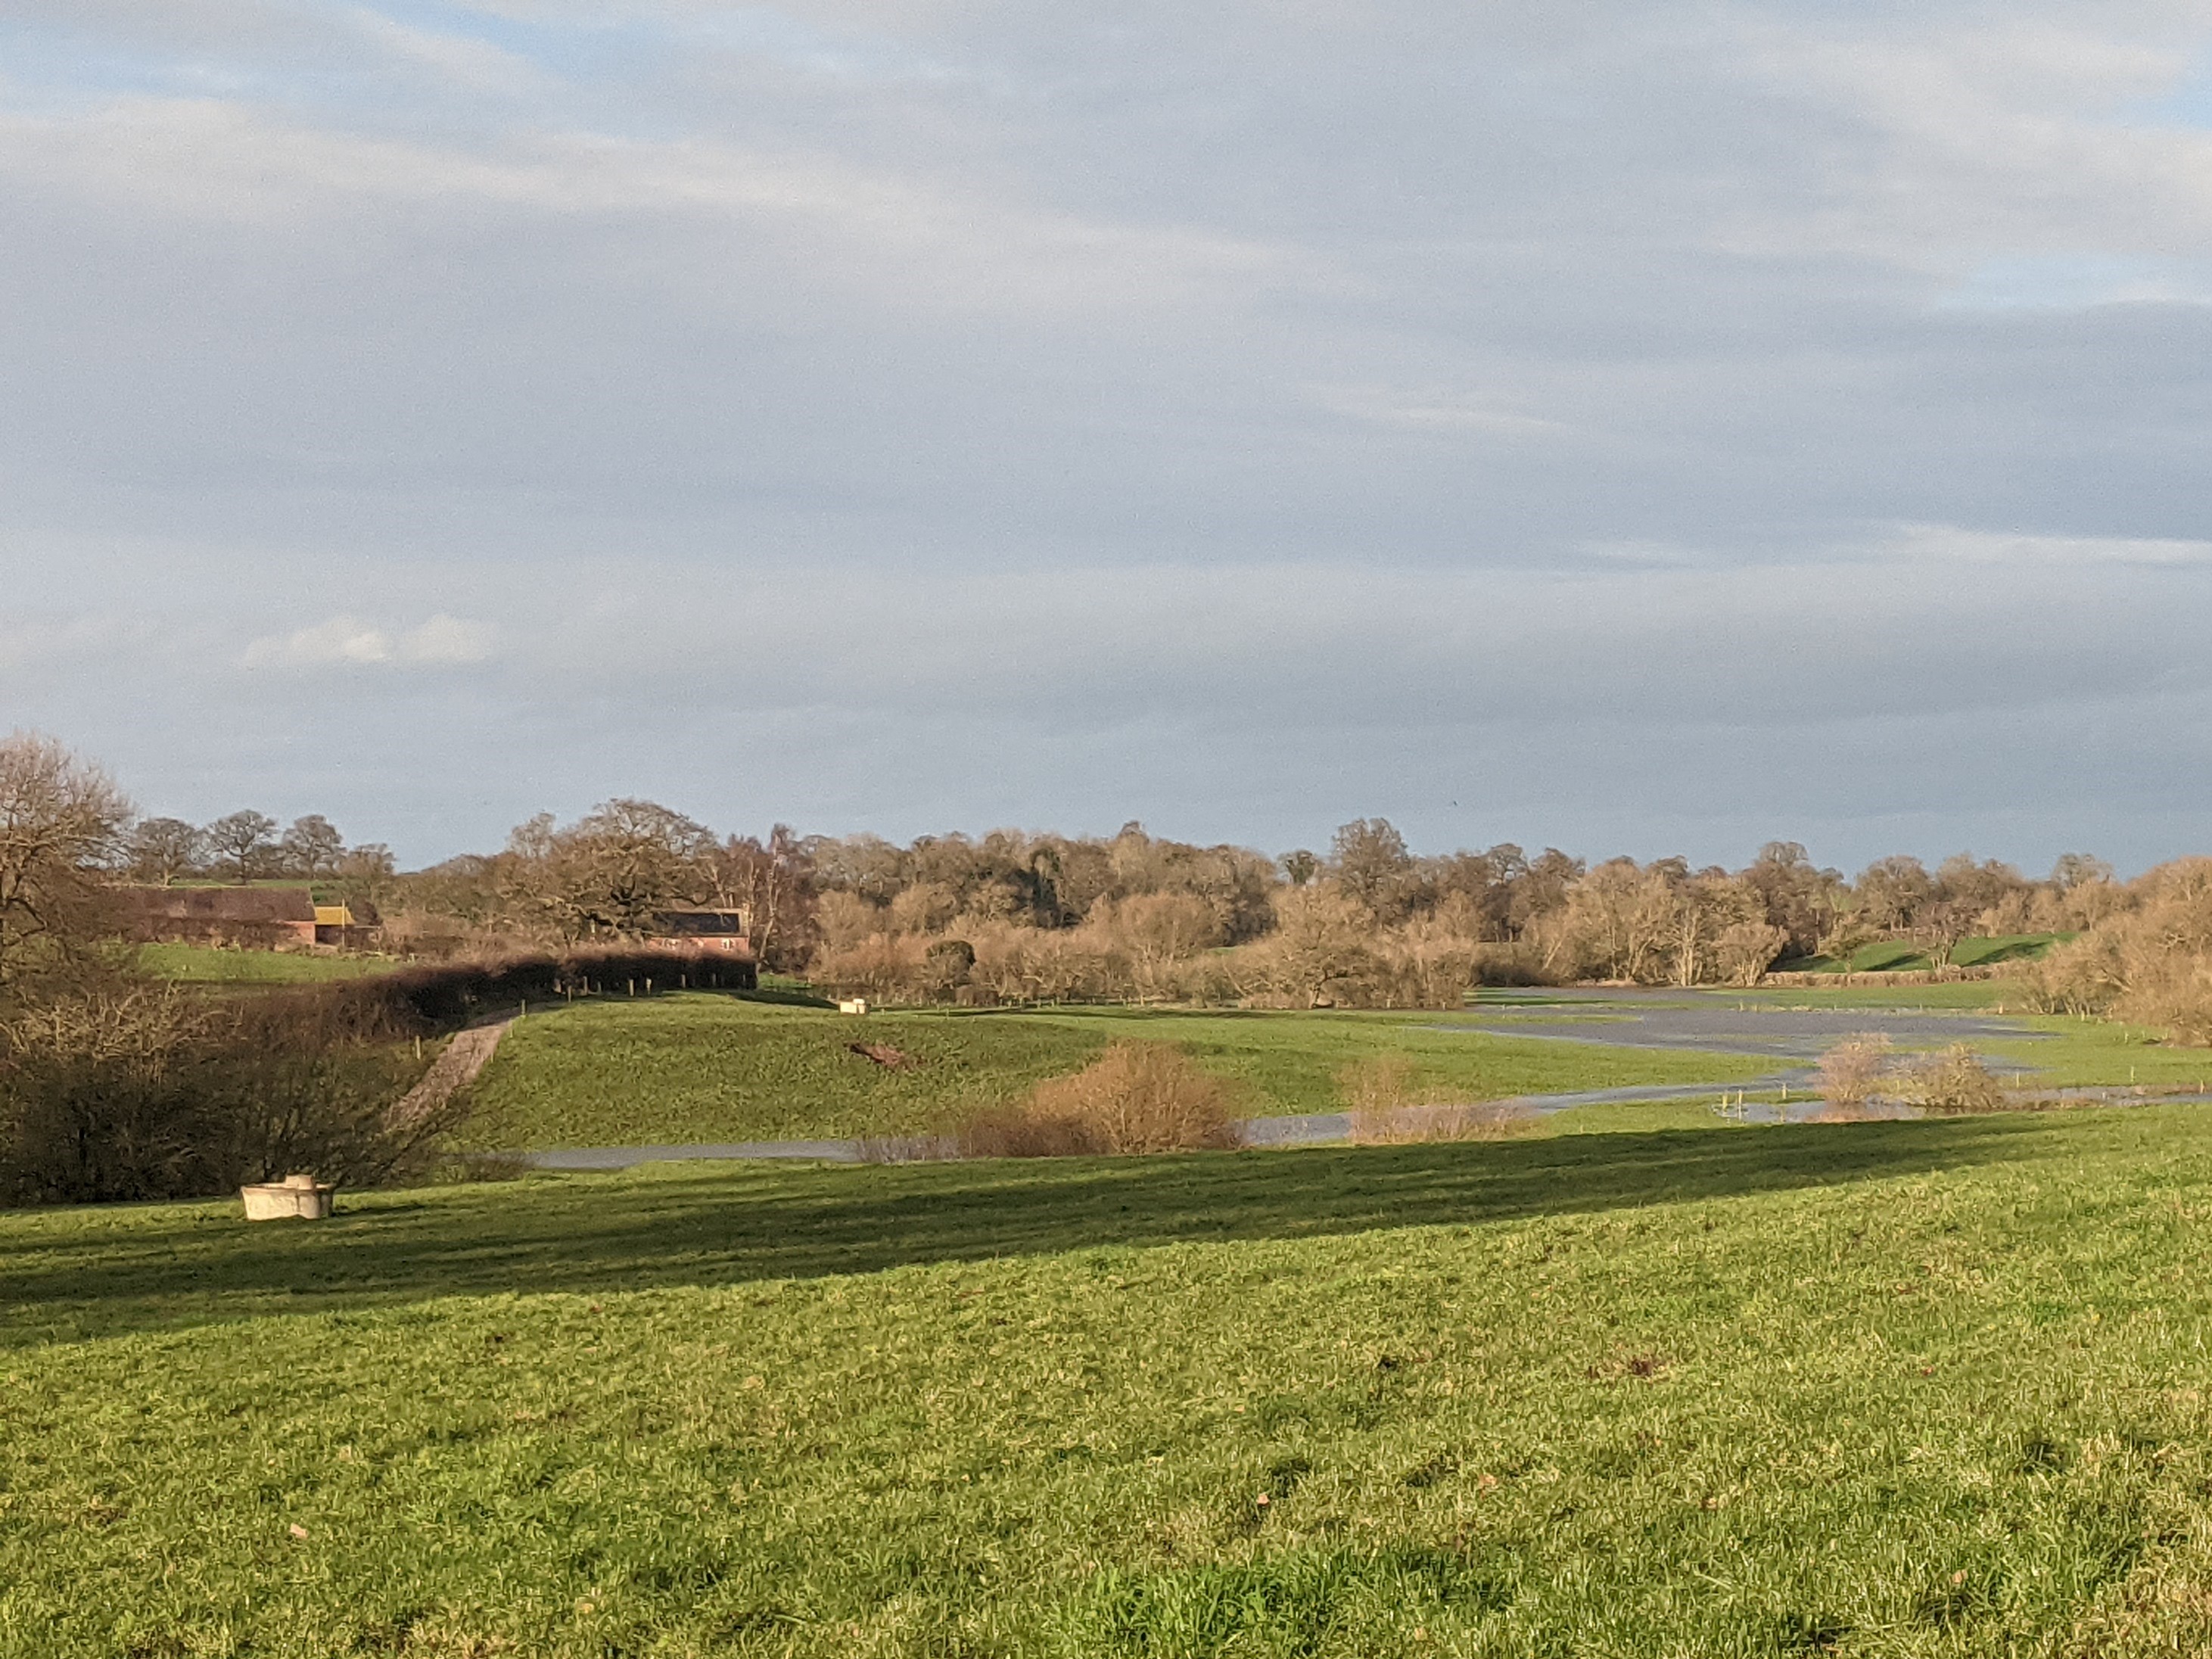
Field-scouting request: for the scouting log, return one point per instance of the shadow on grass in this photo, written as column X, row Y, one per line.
column 788, row 996
column 96, row 1272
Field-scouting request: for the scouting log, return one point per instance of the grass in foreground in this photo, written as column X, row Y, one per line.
column 703, row 1068
column 1891, row 1388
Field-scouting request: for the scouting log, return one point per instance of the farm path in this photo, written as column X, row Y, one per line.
column 466, row 1055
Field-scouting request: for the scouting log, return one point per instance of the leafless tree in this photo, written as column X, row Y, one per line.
column 1747, row 949
column 368, row 873
column 1974, row 888
column 163, row 849
column 61, row 834
column 1891, row 892
column 243, row 840
column 1369, row 859
column 1800, row 898
column 773, row 882
column 1939, row 927
column 2077, row 870
column 1319, row 948
column 610, row 872
column 311, row 847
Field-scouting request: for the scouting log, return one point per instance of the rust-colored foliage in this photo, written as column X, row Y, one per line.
column 1135, row 1097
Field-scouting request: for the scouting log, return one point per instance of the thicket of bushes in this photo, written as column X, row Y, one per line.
column 1371, row 926
column 2149, row 959
column 1386, row 1106
column 1861, row 1071
column 1134, row 1097
column 115, row 1087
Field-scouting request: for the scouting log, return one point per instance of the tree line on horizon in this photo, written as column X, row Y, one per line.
column 1014, row 916
column 247, row 845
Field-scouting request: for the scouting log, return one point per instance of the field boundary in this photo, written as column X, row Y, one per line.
column 1812, row 979
column 465, row 1058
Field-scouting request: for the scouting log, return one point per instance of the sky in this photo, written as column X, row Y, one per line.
column 1642, row 429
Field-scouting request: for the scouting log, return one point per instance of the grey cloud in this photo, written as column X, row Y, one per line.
column 1667, row 423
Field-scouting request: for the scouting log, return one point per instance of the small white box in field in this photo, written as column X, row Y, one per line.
column 853, row 1005
column 296, row 1195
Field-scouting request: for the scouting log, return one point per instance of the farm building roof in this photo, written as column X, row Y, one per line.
column 700, row 924
column 221, row 904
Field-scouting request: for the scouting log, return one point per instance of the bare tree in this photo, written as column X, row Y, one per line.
column 1941, row 925
column 368, row 873
column 1891, row 892
column 311, row 847
column 773, row 882
column 2077, row 870
column 1156, row 933
column 163, row 849
column 1975, row 887
column 1533, row 888
column 1747, row 949
column 61, row 832
column 243, row 840
column 1319, row 947
column 1618, row 922
column 1799, row 898
column 610, row 872
column 1371, row 864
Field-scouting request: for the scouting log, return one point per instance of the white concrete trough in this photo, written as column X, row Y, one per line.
column 299, row 1197
column 853, row 1005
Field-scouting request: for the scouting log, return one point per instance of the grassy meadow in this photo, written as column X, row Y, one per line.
column 703, row 1068
column 210, row 965
column 1895, row 1388
column 1897, row 956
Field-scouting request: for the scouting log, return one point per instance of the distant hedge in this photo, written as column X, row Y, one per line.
column 446, row 996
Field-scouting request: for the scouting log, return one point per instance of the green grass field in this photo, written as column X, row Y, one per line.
column 1897, row 956
column 700, row 1067
column 1923, row 1388
column 2097, row 1051
column 208, row 964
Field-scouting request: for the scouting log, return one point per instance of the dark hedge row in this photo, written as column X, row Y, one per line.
column 446, row 996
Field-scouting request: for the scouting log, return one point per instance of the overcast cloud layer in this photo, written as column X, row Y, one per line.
column 1650, row 428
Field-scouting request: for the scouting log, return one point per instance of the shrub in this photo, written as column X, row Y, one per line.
column 1852, row 1071
column 120, row 1090
column 1388, row 1107
column 1518, row 963
column 2150, row 961
column 1377, row 1087
column 881, row 967
column 1495, row 1120
column 1952, row 1083
column 1134, row 1097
